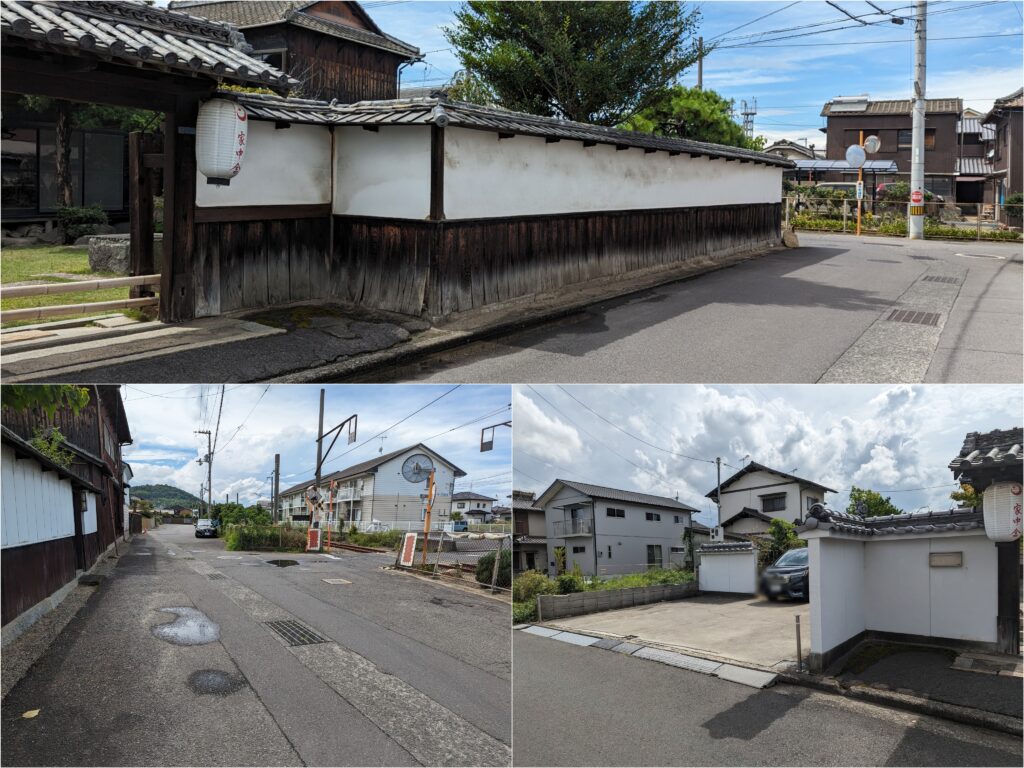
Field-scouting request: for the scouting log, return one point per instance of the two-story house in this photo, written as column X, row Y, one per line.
column 891, row 121
column 377, row 491
column 757, row 494
column 1005, row 149
column 334, row 48
column 472, row 506
column 612, row 531
column 529, row 533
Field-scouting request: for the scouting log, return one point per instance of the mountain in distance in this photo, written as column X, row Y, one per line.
column 165, row 496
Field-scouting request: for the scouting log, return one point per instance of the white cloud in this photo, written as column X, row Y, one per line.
column 545, row 436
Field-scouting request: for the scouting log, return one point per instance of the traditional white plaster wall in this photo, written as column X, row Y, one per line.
column 290, row 166
column 904, row 594
column 89, row 522
column 837, row 591
column 37, row 505
column 728, row 572
column 524, row 175
column 382, row 173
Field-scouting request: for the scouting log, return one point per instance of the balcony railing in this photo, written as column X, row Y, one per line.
column 564, row 528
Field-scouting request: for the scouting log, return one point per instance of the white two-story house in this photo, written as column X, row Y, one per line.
column 375, row 490
column 472, row 506
column 610, row 531
column 757, row 494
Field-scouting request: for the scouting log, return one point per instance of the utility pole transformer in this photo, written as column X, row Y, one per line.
column 915, row 211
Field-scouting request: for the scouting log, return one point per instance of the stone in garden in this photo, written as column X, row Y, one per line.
column 109, row 253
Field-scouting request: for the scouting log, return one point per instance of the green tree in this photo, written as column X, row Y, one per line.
column 465, row 86
column 456, row 516
column 48, row 397
column 967, row 496
column 689, row 113
column 868, row 503
column 594, row 62
column 237, row 514
column 781, row 538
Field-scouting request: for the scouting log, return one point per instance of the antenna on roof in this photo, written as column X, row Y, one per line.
column 382, row 439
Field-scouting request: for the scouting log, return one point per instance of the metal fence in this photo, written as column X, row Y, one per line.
column 415, row 526
column 459, row 555
column 972, row 221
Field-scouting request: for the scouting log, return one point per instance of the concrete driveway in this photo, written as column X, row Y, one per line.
column 749, row 630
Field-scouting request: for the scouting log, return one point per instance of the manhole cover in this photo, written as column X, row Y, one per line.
column 283, row 563
column 914, row 316
column 294, row 633
column 337, row 581
column 947, row 279
column 215, row 576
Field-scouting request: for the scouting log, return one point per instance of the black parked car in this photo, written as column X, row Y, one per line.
column 788, row 576
column 206, row 528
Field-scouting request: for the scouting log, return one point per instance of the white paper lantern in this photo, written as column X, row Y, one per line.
column 1001, row 504
column 221, row 137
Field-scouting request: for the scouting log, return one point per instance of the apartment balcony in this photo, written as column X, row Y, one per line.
column 565, row 529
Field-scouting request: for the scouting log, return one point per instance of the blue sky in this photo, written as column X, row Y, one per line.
column 258, row 421
column 793, row 78
column 896, row 438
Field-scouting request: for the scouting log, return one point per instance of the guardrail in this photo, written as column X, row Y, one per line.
column 151, row 282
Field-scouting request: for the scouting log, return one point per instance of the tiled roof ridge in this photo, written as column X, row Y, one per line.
column 146, row 15
column 960, row 519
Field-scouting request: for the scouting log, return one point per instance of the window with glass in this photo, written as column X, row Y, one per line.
column 613, row 512
column 653, row 516
column 773, row 503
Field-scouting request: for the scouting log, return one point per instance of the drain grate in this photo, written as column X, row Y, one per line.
column 947, row 279
column 913, row 316
column 215, row 576
column 295, row 633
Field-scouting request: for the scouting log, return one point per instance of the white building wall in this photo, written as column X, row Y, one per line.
column 747, row 492
column 383, row 173
column 37, row 505
column 89, row 522
column 728, row 572
column 837, row 591
column 289, row 166
column 486, row 177
column 397, row 500
column 906, row 595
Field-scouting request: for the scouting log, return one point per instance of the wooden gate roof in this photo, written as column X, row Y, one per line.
column 139, row 35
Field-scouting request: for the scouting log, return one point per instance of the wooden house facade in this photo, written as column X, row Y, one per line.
column 333, row 48
column 59, row 519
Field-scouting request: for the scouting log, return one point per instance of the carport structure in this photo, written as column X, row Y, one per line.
column 142, row 57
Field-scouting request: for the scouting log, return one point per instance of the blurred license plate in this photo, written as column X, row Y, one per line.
column 775, row 587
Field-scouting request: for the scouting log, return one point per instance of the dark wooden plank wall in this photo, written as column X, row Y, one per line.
column 34, row 572
column 251, row 264
column 480, row 262
column 452, row 266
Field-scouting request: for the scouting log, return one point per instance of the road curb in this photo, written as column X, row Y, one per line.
column 909, row 702
column 449, row 339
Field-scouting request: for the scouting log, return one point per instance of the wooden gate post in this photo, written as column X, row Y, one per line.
column 141, row 190
column 177, row 288
column 1008, row 600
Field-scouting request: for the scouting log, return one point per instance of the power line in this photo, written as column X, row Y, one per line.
column 220, row 409
column 741, row 26
column 768, row 44
column 239, row 427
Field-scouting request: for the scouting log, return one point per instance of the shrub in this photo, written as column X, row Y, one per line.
column 1017, row 198
column 78, row 222
column 567, row 583
column 526, row 586
column 485, row 569
column 648, row 578
column 274, row 537
column 382, row 539
column 524, row 613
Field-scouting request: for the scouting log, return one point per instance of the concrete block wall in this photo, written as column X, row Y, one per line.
column 579, row 603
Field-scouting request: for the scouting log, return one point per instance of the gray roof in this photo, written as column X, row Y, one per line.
column 908, row 523
column 137, row 34
column 471, row 496
column 522, row 505
column 890, row 107
column 739, row 546
column 879, row 166
column 365, row 467
column 248, row 14
column 755, row 467
column 996, row 450
column 973, row 166
column 753, row 514
column 423, row 111
column 632, row 497
column 975, row 125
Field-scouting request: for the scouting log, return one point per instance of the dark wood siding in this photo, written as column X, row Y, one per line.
column 329, row 67
column 34, row 572
column 938, row 161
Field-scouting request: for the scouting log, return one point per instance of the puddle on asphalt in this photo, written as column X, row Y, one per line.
column 214, row 682
column 283, row 563
column 192, row 627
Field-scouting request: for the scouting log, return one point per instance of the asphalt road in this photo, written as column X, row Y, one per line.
column 409, row 672
column 588, row 707
column 815, row 313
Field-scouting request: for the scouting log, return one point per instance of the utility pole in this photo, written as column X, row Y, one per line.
column 700, row 63
column 915, row 212
column 277, row 485
column 319, row 451
column 208, row 460
column 718, row 493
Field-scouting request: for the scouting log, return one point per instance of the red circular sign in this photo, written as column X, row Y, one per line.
column 1015, row 489
column 917, row 197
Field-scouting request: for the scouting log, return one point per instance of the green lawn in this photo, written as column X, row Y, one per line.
column 20, row 264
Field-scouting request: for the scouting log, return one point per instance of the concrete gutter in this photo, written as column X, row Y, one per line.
column 907, row 700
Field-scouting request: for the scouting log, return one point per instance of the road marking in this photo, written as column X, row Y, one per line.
column 337, row 581
column 980, row 256
column 229, row 557
column 332, row 557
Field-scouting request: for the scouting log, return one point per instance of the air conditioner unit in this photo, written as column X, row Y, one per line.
column 717, row 534
column 1001, row 504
